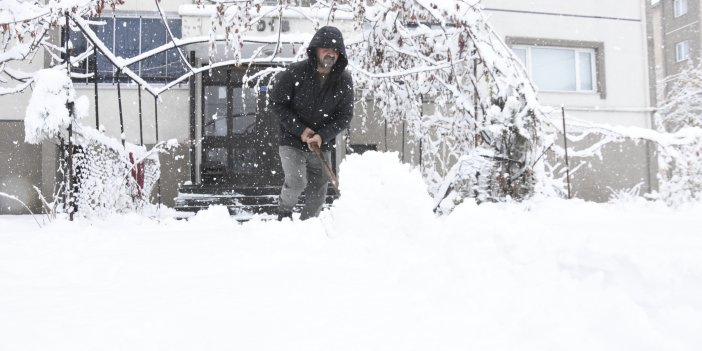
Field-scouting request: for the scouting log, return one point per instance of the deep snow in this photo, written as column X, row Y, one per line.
column 376, row 272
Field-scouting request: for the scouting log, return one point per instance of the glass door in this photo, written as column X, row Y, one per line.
column 239, row 136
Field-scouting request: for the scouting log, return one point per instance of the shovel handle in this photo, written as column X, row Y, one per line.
column 325, row 167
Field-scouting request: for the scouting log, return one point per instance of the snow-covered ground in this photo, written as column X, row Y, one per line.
column 376, row 272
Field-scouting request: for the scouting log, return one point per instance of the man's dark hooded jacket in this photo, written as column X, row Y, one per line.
column 299, row 99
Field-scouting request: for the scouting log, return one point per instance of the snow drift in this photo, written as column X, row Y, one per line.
column 377, row 272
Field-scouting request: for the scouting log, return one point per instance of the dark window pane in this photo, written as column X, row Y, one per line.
column 127, row 41
column 244, row 103
column 217, row 157
column 105, row 34
column 176, row 67
column 215, row 111
column 244, row 160
column 153, row 35
column 128, row 37
column 79, row 44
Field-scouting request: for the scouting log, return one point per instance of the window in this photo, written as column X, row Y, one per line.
column 128, row 37
column 559, row 69
column 655, row 2
column 682, row 51
column 679, row 7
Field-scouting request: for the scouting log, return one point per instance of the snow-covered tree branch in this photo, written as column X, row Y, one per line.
column 486, row 114
column 680, row 113
column 25, row 28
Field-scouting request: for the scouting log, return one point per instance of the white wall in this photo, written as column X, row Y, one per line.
column 150, row 6
column 173, row 112
column 14, row 106
column 624, row 44
column 603, row 8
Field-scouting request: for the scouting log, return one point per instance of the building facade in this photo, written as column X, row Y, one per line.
column 589, row 57
column 674, row 40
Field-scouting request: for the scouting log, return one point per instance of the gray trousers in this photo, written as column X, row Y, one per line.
column 303, row 172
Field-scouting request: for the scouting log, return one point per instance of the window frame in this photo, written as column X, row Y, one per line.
column 600, row 82
column 682, row 51
column 577, row 67
column 680, row 8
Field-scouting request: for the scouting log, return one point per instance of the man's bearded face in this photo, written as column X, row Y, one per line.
column 327, row 57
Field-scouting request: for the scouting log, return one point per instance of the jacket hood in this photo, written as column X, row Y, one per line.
column 328, row 37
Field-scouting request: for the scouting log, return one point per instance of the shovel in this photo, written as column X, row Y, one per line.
column 325, row 167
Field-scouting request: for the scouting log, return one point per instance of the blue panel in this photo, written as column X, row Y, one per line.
column 105, row 34
column 130, row 36
column 127, row 40
column 79, row 44
column 154, row 34
column 176, row 67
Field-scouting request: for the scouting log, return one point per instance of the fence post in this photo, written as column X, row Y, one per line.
column 70, row 201
column 95, row 81
column 565, row 145
column 141, row 125
column 119, row 103
column 158, row 182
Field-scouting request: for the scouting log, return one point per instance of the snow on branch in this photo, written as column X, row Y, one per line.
column 48, row 110
column 414, row 52
column 24, row 26
column 680, row 113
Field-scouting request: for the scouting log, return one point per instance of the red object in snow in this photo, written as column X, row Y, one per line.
column 137, row 173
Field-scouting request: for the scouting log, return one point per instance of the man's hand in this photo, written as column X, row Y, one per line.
column 314, row 139
column 306, row 134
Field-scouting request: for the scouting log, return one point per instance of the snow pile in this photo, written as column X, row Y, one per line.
column 371, row 182
column 557, row 274
column 376, row 272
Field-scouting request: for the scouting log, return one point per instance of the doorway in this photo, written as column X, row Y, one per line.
column 239, row 135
